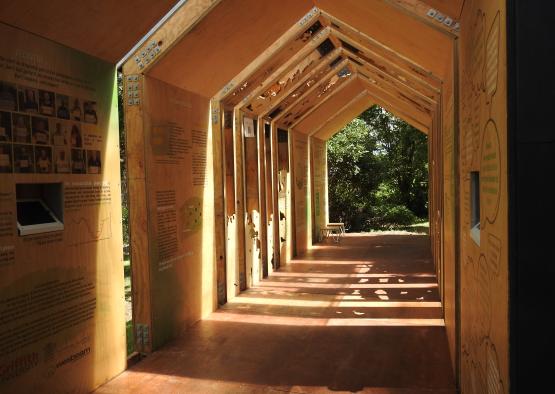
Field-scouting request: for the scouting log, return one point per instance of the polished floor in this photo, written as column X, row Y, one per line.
column 359, row 316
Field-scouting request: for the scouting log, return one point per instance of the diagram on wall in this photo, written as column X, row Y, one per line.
column 83, row 230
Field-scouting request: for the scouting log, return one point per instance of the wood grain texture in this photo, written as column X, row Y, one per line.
column 227, row 35
column 123, row 23
column 62, row 302
column 337, row 120
column 416, row 42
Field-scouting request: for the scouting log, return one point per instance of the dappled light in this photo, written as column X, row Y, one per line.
column 296, row 327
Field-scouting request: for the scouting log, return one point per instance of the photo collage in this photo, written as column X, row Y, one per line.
column 41, row 132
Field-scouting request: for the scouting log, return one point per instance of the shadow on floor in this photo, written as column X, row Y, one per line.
column 360, row 316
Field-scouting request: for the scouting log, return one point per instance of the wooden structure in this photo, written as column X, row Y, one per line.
column 228, row 106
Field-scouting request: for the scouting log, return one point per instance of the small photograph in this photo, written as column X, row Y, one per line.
column 59, row 132
column 75, row 139
column 21, row 128
column 93, row 162
column 8, row 97
column 6, row 158
column 61, row 160
column 90, row 112
column 28, row 99
column 39, row 127
column 75, row 111
column 5, row 127
column 62, row 106
column 23, row 158
column 78, row 161
column 43, row 159
column 47, row 102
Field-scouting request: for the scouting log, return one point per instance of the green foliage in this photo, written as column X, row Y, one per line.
column 378, row 173
column 123, row 167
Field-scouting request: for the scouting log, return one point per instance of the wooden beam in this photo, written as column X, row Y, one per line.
column 337, row 120
column 161, row 42
column 410, row 78
column 275, row 197
column 252, row 87
column 219, row 200
column 427, row 110
column 394, row 84
column 419, row 10
column 393, row 33
column 241, row 275
column 349, row 82
column 385, row 104
column 408, row 110
column 379, row 50
column 260, row 63
column 332, row 72
column 263, row 106
column 301, row 88
column 263, row 230
column 295, row 66
column 327, row 109
column 138, row 219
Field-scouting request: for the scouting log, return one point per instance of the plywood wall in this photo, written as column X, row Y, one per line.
column 301, row 194
column 483, row 148
column 62, row 317
column 449, row 233
column 178, row 178
column 319, row 184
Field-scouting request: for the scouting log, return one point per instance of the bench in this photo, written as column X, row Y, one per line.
column 335, row 230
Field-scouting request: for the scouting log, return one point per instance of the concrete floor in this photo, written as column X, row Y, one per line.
column 360, row 316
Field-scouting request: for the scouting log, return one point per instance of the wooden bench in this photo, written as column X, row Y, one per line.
column 335, row 230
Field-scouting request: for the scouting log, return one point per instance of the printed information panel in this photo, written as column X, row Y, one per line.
column 62, row 325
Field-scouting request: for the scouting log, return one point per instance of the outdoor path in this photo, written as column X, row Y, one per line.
column 360, row 316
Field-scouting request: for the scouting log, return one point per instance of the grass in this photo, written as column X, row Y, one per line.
column 130, row 337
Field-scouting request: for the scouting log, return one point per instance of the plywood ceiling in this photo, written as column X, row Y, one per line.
column 325, row 110
column 226, row 41
column 107, row 29
column 452, row 8
column 396, row 30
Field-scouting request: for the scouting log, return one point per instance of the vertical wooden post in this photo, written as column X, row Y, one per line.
column 240, row 200
column 138, row 220
column 263, row 225
column 219, row 200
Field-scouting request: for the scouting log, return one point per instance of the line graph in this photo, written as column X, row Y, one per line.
column 84, row 230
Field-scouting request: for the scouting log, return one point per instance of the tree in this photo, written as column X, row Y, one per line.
column 378, row 172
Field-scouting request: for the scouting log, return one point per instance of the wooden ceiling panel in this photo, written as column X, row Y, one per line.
column 307, row 84
column 410, row 113
column 272, row 92
column 333, row 81
column 226, row 41
column 333, row 124
column 300, row 46
column 395, row 30
column 452, row 8
column 106, row 29
column 323, row 112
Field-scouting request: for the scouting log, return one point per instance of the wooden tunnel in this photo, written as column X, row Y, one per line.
column 228, row 105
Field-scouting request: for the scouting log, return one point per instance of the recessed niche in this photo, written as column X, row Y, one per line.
column 475, row 206
column 39, row 208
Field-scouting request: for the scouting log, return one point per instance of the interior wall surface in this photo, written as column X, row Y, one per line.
column 62, row 316
column 253, row 217
column 319, row 192
column 301, row 195
column 449, row 211
column 483, row 153
column 177, row 174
